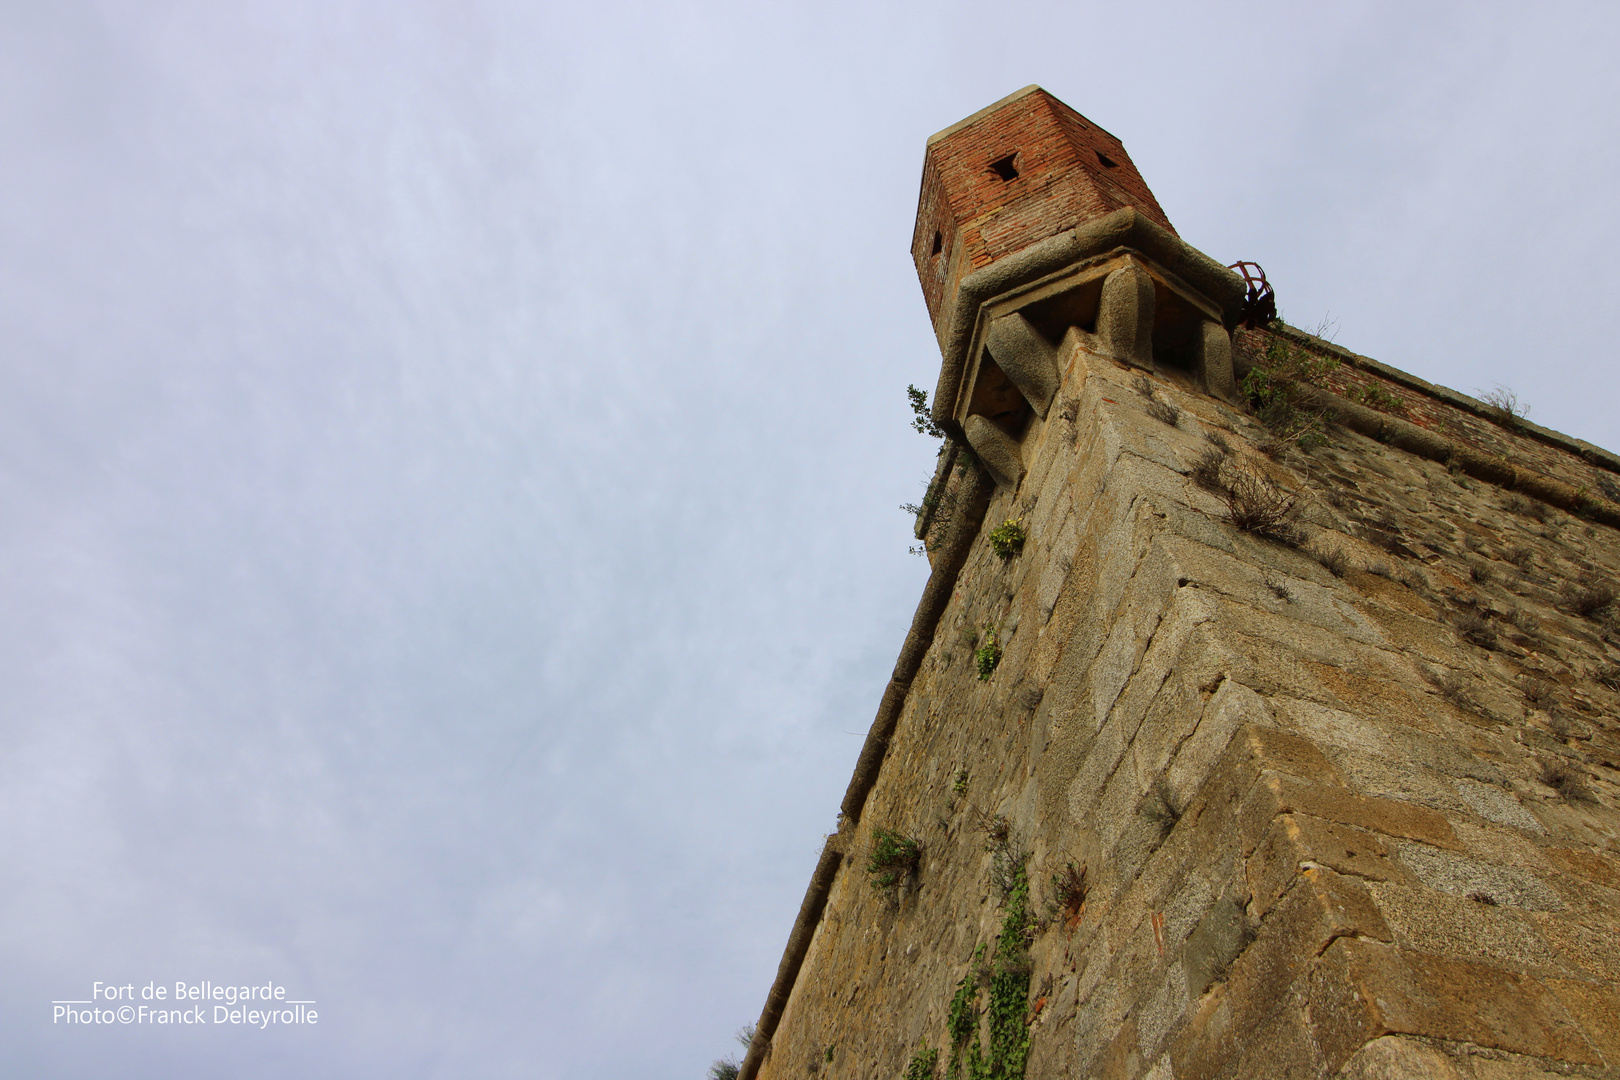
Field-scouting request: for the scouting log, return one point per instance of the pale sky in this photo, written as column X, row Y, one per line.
column 450, row 457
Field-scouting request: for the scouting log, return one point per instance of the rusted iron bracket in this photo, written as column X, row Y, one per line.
column 1259, row 301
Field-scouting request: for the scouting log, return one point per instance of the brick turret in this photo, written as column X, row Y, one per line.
column 1012, row 174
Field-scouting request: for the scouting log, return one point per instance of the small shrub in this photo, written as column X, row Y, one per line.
column 1521, row 556
column 1477, row 628
column 1273, row 387
column 892, row 860
column 1539, row 693
column 1567, row 781
column 1505, row 407
column 1608, row 675
column 960, row 785
column 728, row 1068
column 1453, row 687
column 1590, row 596
column 1206, row 471
column 1255, row 504
column 922, row 420
column 1376, row 397
column 1158, row 808
column 988, row 655
column 1006, row 861
column 1164, row 412
column 1383, row 570
column 1069, row 894
column 1479, row 573
column 1333, row 559
column 1007, row 539
column 923, row 1064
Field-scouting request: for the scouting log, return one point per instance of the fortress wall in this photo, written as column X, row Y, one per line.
column 1358, row 825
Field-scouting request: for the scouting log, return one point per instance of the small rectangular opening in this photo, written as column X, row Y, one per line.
column 1004, row 167
column 1108, row 163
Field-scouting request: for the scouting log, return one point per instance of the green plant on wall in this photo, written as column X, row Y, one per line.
column 1376, row 397
column 1007, row 539
column 922, row 418
column 892, row 860
column 1006, row 1052
column 922, row 1065
column 1274, row 386
column 988, row 655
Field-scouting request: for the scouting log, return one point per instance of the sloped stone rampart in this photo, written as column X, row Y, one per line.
column 1358, row 825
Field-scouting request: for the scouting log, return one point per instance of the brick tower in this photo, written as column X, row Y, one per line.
column 1259, row 734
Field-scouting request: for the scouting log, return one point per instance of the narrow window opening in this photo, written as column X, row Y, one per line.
column 939, row 243
column 1004, row 168
column 1108, row 163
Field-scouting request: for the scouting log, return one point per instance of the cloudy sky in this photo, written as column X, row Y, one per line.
column 450, row 457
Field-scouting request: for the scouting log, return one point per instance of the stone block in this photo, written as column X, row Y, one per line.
column 1510, row 1068
column 1276, row 794
column 1495, row 804
column 1581, row 948
column 1391, row 1057
column 1433, row 922
column 1281, row 1047
column 1591, row 865
column 1215, row 362
column 1297, row 842
column 1214, row 943
column 1460, row 875
column 1361, row 990
column 1596, row 1007
column 1322, row 906
column 1334, row 727
column 1232, row 706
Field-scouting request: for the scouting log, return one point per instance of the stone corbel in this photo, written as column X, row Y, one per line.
column 1215, row 363
column 997, row 450
column 1020, row 351
column 1125, row 315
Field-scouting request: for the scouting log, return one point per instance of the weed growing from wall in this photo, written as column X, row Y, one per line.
column 1069, row 891
column 1256, row 504
column 1006, row 1053
column 1376, row 397
column 1274, row 387
column 1591, row 596
column 922, row 1065
column 728, row 1068
column 922, row 419
column 892, row 860
column 1007, row 539
column 988, row 655
column 1505, row 407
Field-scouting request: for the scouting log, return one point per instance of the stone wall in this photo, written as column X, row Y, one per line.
column 1344, row 802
